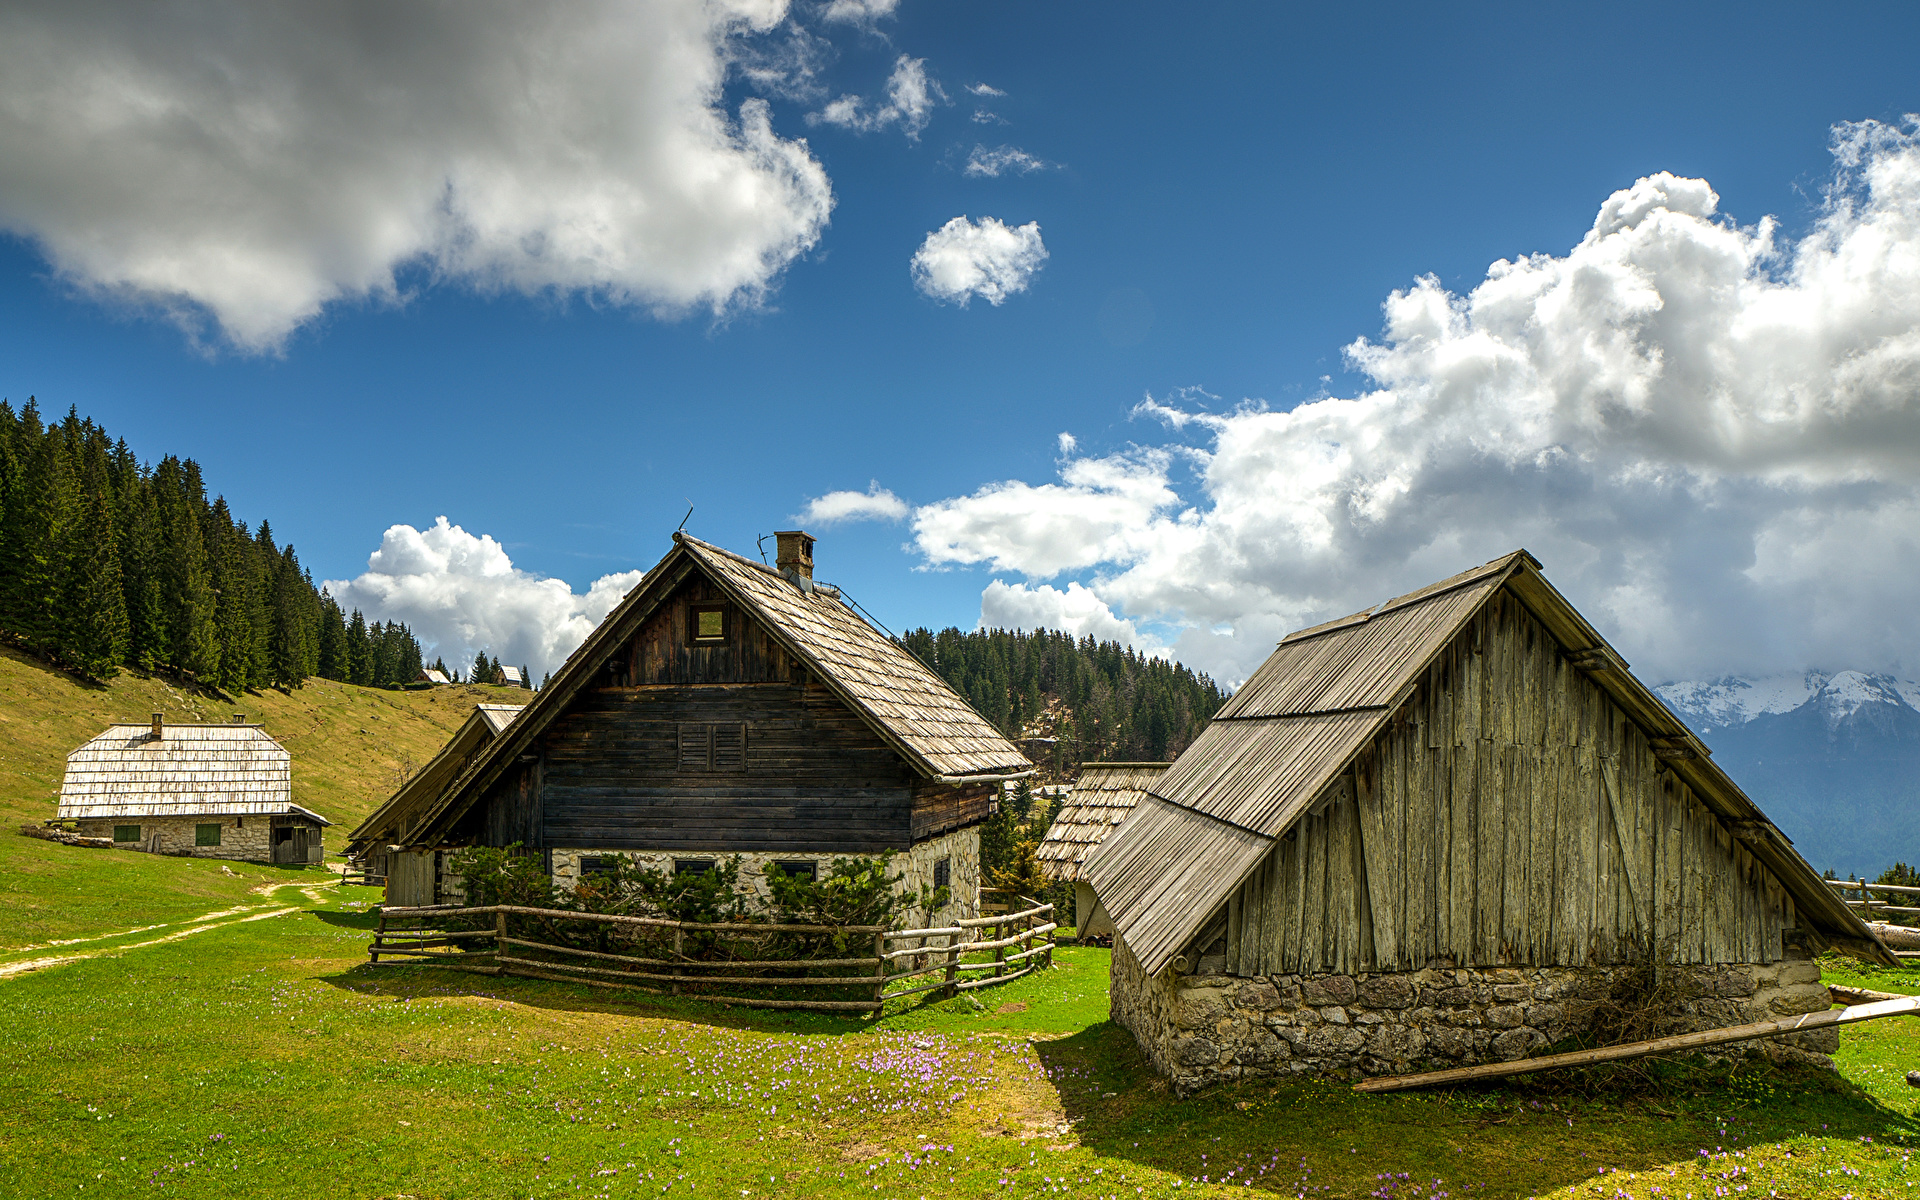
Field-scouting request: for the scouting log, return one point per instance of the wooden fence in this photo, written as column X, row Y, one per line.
column 1871, row 909
column 952, row 952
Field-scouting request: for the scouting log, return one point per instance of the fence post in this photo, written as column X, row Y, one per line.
column 1000, row 948
column 880, row 971
column 499, row 940
column 1026, row 944
column 953, row 965
column 679, row 952
column 373, row 951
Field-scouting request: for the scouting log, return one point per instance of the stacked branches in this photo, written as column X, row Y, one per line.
column 106, row 562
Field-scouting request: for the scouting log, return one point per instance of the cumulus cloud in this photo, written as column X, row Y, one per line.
column 961, row 260
column 461, row 594
column 1073, row 609
column 1709, row 435
column 248, row 164
column 874, row 504
column 984, row 89
column 983, row 163
column 911, row 97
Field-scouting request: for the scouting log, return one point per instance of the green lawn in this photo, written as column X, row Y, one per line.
column 263, row 1058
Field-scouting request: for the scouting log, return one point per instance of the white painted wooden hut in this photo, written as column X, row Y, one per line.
column 1095, row 806
column 204, row 791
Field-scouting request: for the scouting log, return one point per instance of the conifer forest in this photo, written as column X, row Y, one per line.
column 107, row 562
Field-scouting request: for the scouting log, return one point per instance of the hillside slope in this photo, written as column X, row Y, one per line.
column 351, row 746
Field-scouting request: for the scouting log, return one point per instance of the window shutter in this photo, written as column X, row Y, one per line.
column 695, row 747
column 729, row 747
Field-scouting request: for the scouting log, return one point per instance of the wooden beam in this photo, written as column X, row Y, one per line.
column 1852, row 1015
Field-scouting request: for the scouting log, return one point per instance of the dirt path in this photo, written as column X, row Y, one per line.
column 193, row 925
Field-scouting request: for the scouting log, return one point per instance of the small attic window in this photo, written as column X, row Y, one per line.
column 707, row 624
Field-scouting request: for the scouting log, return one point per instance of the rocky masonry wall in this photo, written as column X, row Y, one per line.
column 961, row 849
column 241, row 839
column 1199, row 1030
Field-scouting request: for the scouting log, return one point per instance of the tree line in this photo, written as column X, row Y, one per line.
column 1100, row 700
column 107, row 562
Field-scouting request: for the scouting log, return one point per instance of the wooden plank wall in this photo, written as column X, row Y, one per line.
column 1509, row 815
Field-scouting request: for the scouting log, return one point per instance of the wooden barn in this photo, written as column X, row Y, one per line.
column 729, row 707
column 1443, row 830
column 1098, row 802
column 205, row 791
column 377, row 845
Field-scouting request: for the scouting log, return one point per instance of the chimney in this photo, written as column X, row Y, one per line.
column 239, row 718
column 796, row 557
column 159, row 726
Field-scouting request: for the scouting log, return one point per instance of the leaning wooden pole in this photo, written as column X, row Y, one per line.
column 1852, row 1015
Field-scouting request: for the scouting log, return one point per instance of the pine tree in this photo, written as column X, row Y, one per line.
column 148, row 647
column 359, row 652
column 287, row 641
column 93, row 613
column 482, row 671
column 40, row 509
column 234, row 600
column 186, row 592
column 334, row 661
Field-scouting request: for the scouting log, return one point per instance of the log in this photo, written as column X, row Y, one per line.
column 1851, row 995
column 436, row 933
column 848, row 981
column 967, row 985
column 688, row 962
column 1851, row 1015
column 1847, row 886
column 740, row 928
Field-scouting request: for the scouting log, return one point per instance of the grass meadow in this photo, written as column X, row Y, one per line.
column 257, row 1055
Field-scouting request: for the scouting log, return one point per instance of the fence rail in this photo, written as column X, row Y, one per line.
column 1022, row 922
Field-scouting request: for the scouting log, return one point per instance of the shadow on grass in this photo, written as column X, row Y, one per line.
column 1517, row 1137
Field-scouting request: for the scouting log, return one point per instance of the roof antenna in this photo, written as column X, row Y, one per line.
column 683, row 520
column 761, row 543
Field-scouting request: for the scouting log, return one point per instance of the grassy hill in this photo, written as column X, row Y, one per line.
column 351, row 747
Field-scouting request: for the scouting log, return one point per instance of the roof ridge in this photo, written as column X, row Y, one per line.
column 1392, row 604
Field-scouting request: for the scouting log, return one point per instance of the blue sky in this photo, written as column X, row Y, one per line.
column 1230, row 194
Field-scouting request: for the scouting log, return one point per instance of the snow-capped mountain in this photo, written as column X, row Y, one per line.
column 1834, row 759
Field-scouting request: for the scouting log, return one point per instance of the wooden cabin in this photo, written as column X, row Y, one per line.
column 1095, row 806
column 378, row 846
column 511, row 677
column 1438, row 831
column 200, row 791
column 726, row 707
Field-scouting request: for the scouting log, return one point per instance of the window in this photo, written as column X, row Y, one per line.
column 706, row 624
column 126, row 833
column 206, row 835
column 713, row 747
column 591, row 865
column 802, row 869
column 943, row 873
column 692, row 866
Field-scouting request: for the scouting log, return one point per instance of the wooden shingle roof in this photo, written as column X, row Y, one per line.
column 1101, row 799
column 404, row 810
column 1322, row 697
column 912, row 709
column 191, row 770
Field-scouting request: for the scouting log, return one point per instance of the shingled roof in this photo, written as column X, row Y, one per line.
column 899, row 697
column 1100, row 800
column 190, row 770
column 1318, row 700
column 404, row 810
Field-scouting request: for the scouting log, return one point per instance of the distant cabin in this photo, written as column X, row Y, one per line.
column 205, row 791
column 429, row 675
column 378, row 846
column 1437, row 831
column 510, row 676
column 1095, row 806
column 725, row 707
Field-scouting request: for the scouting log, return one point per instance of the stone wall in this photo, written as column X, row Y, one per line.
column 242, row 839
column 1199, row 1030
column 961, row 848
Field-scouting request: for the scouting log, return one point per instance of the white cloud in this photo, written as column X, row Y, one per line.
column 250, row 164
column 1073, row 610
column 874, row 504
column 911, row 98
column 961, row 260
column 984, row 89
column 461, row 594
column 1068, row 444
column 983, row 163
column 982, row 116
column 1710, row 438
column 859, row 12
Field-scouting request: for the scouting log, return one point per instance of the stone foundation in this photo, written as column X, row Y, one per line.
column 1199, row 1030
column 242, row 839
column 961, row 849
